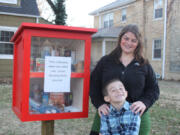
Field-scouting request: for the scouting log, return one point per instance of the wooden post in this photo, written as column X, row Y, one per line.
column 47, row 127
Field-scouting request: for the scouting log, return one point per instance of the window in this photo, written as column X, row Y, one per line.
column 158, row 9
column 9, row 1
column 123, row 17
column 6, row 47
column 157, row 49
column 108, row 20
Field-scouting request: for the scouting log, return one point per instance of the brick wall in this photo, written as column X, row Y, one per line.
column 172, row 68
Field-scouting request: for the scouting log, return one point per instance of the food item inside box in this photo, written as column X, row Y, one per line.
column 39, row 64
column 36, row 93
column 45, row 98
column 79, row 67
column 68, row 98
column 32, row 64
column 57, row 99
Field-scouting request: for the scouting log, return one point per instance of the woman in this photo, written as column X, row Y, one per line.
column 128, row 64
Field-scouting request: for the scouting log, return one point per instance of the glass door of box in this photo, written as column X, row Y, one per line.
column 58, row 101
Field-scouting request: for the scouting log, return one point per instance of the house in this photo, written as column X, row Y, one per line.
column 12, row 14
column 158, row 21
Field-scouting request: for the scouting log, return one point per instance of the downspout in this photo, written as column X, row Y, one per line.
column 165, row 34
column 37, row 19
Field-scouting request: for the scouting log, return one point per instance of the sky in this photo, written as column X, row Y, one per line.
column 78, row 11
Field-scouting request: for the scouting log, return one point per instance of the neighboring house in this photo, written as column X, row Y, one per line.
column 159, row 23
column 12, row 14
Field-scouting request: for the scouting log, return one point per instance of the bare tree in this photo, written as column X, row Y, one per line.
column 58, row 8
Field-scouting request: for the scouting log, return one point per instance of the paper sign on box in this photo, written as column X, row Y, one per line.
column 57, row 74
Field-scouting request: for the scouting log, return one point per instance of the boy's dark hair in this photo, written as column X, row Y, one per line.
column 104, row 90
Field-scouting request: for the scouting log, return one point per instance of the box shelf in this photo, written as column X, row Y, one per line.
column 41, row 75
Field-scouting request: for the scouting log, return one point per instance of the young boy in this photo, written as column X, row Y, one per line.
column 120, row 120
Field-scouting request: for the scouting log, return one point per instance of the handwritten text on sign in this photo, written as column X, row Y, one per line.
column 57, row 74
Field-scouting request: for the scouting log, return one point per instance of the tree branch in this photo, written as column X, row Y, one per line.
column 53, row 7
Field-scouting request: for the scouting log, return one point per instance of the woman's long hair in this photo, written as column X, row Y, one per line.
column 138, row 52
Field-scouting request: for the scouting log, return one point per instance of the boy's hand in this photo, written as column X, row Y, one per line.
column 103, row 109
column 138, row 107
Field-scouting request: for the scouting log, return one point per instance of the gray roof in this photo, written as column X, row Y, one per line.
column 113, row 5
column 27, row 7
column 112, row 32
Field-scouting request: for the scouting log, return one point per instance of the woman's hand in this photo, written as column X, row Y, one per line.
column 138, row 107
column 104, row 108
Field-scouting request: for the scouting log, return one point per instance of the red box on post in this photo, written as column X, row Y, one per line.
column 51, row 72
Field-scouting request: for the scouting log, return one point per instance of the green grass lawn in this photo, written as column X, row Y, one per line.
column 165, row 115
